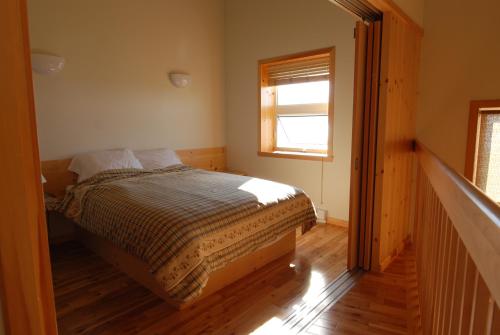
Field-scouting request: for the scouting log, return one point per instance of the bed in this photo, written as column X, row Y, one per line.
column 184, row 232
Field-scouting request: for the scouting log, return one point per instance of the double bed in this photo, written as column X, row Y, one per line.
column 184, row 232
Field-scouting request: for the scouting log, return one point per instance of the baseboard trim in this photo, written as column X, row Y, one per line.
column 397, row 251
column 337, row 222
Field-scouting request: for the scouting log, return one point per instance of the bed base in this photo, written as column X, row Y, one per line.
column 139, row 271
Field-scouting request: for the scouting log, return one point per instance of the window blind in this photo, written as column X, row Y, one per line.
column 299, row 71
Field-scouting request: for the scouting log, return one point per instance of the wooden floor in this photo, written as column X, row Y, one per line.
column 94, row 298
column 380, row 303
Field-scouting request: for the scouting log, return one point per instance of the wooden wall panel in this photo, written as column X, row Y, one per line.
column 59, row 177
column 213, row 159
column 396, row 131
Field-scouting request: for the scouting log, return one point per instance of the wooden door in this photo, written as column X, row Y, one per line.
column 363, row 143
column 395, row 161
column 357, row 144
column 25, row 276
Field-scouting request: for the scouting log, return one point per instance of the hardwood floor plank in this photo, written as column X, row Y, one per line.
column 94, row 298
column 380, row 303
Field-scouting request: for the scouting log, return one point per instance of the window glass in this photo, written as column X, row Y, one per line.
column 302, row 132
column 493, row 182
column 308, row 128
column 488, row 157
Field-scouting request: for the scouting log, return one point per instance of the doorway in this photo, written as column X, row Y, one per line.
column 38, row 223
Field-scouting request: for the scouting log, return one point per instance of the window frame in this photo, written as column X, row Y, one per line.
column 476, row 108
column 268, row 109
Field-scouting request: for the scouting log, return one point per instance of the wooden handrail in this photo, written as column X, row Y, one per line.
column 475, row 217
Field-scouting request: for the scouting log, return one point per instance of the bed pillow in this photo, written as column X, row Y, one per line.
column 89, row 164
column 157, row 158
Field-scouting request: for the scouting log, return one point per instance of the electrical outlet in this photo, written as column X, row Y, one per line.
column 322, row 214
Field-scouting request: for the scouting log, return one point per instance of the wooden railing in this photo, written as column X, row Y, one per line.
column 457, row 238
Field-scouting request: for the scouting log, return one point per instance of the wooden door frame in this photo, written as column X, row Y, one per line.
column 26, row 291
column 471, row 146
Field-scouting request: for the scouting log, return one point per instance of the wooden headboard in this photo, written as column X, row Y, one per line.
column 58, row 177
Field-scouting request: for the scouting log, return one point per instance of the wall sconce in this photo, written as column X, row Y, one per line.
column 47, row 64
column 180, row 80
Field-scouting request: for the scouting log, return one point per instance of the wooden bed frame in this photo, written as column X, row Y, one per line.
column 58, row 178
column 139, row 270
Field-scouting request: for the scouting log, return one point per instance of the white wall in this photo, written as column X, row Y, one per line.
column 114, row 90
column 260, row 29
column 461, row 62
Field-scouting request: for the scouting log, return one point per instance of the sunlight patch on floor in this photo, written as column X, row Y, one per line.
column 316, row 286
column 272, row 326
column 276, row 326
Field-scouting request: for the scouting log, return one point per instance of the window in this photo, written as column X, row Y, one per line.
column 296, row 106
column 483, row 155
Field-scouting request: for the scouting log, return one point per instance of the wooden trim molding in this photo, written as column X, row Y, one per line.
column 405, row 243
column 297, row 155
column 266, row 98
column 471, row 148
column 337, row 222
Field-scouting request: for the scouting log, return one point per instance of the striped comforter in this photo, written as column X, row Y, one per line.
column 186, row 223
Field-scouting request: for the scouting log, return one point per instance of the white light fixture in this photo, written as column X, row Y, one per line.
column 47, row 64
column 180, row 80
column 43, row 179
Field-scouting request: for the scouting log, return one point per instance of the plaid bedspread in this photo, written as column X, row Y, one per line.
column 186, row 223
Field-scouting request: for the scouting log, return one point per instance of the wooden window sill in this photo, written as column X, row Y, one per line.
column 297, row 155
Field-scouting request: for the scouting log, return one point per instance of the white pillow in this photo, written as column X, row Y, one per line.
column 157, row 158
column 89, row 164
